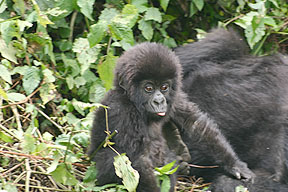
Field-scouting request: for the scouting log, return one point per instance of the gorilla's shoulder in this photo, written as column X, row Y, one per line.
column 218, row 45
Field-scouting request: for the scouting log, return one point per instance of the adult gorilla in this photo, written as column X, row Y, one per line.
column 147, row 94
column 247, row 97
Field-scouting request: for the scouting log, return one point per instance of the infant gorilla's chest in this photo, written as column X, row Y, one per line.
column 157, row 147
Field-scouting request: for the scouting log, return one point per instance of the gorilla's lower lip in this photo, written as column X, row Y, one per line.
column 161, row 113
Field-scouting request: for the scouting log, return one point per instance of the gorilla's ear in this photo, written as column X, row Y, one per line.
column 123, row 83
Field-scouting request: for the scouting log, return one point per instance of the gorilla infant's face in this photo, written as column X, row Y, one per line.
column 156, row 96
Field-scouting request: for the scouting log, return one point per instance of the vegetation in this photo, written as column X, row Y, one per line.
column 57, row 60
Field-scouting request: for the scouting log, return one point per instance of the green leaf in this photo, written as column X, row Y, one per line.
column 166, row 168
column 255, row 31
column 42, row 18
column 122, row 32
column 63, row 176
column 90, row 174
column 31, row 79
column 29, row 143
column 96, row 34
column 5, row 74
column 3, row 6
column 85, row 54
column 86, row 7
column 70, row 82
column 96, row 92
column 106, row 70
column 3, row 94
column 199, row 4
column 79, row 81
column 164, row 4
column 193, row 9
column 107, row 15
column 146, row 29
column 8, row 52
column 47, row 92
column 124, row 170
column 20, row 5
column 154, row 14
column 15, row 97
column 241, row 188
column 166, row 184
column 141, row 5
column 130, row 14
column 6, row 138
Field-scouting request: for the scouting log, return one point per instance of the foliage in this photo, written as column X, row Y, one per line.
column 57, row 60
column 163, row 173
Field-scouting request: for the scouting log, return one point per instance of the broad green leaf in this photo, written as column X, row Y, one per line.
column 154, row 14
column 85, row 54
column 63, row 176
column 107, row 15
column 5, row 74
column 47, row 92
column 122, row 32
column 86, row 7
column 199, row 4
column 81, row 139
column 96, row 92
column 146, row 29
column 9, row 29
column 79, row 81
column 90, row 174
column 42, row 18
column 124, row 170
column 3, row 6
column 270, row 21
column 141, row 5
column 96, row 34
column 193, row 9
column 70, row 82
column 164, row 4
column 20, row 5
column 106, row 70
column 31, row 79
column 166, row 168
column 246, row 20
column 3, row 94
column 130, row 14
column 165, row 184
column 8, row 52
column 29, row 143
column 72, row 65
column 255, row 31
column 48, row 76
column 170, row 42
column 6, row 138
column 15, row 97
column 241, row 188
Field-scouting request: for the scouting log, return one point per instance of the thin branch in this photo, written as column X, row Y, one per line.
column 23, row 101
column 37, row 157
column 28, row 175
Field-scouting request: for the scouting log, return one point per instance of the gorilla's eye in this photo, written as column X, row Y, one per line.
column 149, row 88
column 164, row 87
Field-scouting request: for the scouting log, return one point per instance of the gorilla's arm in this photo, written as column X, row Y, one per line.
column 201, row 129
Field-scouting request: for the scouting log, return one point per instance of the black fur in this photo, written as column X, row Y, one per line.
column 247, row 97
column 140, row 133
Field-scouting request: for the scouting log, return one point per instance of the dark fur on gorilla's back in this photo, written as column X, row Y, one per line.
column 247, row 96
column 139, row 73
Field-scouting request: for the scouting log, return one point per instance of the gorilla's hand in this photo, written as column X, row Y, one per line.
column 241, row 171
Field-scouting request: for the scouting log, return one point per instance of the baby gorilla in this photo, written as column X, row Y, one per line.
column 147, row 93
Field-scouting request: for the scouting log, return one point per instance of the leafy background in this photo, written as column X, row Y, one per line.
column 57, row 60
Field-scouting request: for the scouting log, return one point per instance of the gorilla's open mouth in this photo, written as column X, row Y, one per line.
column 161, row 114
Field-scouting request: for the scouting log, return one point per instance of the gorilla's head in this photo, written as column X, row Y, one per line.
column 150, row 75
